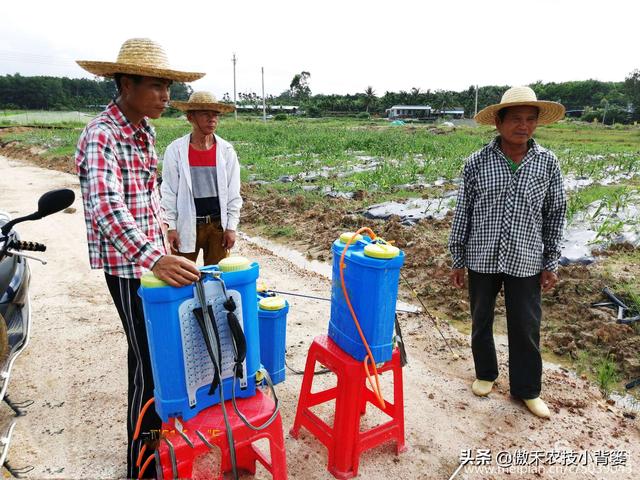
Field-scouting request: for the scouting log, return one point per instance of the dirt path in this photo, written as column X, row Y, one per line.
column 74, row 370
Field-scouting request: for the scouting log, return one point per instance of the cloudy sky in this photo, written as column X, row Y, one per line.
column 346, row 45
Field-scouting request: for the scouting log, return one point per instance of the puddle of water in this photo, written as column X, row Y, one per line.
column 572, row 182
column 576, row 246
column 293, row 256
column 413, row 210
column 575, row 183
column 626, row 402
column 615, row 226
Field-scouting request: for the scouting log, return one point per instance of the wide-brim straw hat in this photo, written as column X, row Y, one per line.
column 203, row 101
column 140, row 56
column 548, row 112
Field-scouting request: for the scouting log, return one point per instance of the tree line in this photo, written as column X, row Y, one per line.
column 604, row 101
column 62, row 93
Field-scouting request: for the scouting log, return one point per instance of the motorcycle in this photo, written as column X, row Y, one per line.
column 15, row 308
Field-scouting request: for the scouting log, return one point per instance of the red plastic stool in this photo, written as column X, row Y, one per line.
column 179, row 450
column 344, row 441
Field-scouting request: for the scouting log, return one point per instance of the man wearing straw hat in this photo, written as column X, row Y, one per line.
column 506, row 232
column 117, row 165
column 201, row 184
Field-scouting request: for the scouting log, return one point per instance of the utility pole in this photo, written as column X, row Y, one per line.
column 476, row 110
column 264, row 102
column 234, row 86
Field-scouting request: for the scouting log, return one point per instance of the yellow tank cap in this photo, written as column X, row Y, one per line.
column 381, row 250
column 234, row 264
column 272, row 303
column 149, row 280
column 346, row 236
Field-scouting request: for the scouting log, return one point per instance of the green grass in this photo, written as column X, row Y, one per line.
column 606, row 374
column 613, row 197
column 582, row 362
column 405, row 155
column 58, row 141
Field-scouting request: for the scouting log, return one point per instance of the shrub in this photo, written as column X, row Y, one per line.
column 363, row 115
column 613, row 114
column 280, row 116
column 313, row 111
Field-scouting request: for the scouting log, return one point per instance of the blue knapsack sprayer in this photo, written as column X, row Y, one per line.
column 364, row 290
column 204, row 340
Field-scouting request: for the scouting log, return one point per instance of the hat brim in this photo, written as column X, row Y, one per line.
column 214, row 106
column 549, row 112
column 109, row 69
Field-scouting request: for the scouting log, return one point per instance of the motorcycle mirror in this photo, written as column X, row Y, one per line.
column 54, row 201
column 50, row 202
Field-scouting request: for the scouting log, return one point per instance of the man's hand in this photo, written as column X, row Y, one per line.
column 174, row 240
column 176, row 271
column 457, row 277
column 548, row 280
column 228, row 239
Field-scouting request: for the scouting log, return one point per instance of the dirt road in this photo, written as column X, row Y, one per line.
column 74, row 370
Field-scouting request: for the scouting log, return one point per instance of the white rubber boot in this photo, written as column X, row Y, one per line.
column 481, row 388
column 537, row 407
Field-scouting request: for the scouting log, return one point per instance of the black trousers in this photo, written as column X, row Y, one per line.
column 524, row 312
column 125, row 297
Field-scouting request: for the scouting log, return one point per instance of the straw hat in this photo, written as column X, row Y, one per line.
column 549, row 112
column 140, row 56
column 203, row 101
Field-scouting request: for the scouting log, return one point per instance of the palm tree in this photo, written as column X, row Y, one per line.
column 415, row 91
column 369, row 97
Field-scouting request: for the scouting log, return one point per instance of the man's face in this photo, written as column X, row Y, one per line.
column 149, row 97
column 204, row 121
column 518, row 125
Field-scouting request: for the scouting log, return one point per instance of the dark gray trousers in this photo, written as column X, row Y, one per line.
column 124, row 292
column 524, row 312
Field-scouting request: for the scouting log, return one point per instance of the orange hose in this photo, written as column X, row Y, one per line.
column 375, row 388
column 142, row 450
column 144, row 466
column 141, row 416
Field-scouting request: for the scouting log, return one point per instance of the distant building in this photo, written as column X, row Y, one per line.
column 422, row 112
column 271, row 108
column 455, row 112
column 575, row 113
column 410, row 111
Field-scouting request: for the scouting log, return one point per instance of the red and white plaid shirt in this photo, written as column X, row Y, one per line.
column 117, row 165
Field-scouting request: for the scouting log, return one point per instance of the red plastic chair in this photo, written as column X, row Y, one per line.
column 180, row 450
column 344, row 440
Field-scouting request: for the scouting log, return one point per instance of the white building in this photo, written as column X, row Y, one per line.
column 409, row 111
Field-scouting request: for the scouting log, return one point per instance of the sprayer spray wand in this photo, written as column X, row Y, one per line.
column 456, row 356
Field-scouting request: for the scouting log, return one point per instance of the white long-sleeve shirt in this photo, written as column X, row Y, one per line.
column 177, row 192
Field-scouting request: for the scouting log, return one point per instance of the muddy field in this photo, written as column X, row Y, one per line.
column 570, row 325
column 443, row 417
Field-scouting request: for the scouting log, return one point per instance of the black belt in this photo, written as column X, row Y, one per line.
column 207, row 219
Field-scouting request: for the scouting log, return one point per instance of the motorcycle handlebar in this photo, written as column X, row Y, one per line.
column 28, row 246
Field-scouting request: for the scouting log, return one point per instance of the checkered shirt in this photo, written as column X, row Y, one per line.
column 509, row 222
column 117, row 165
